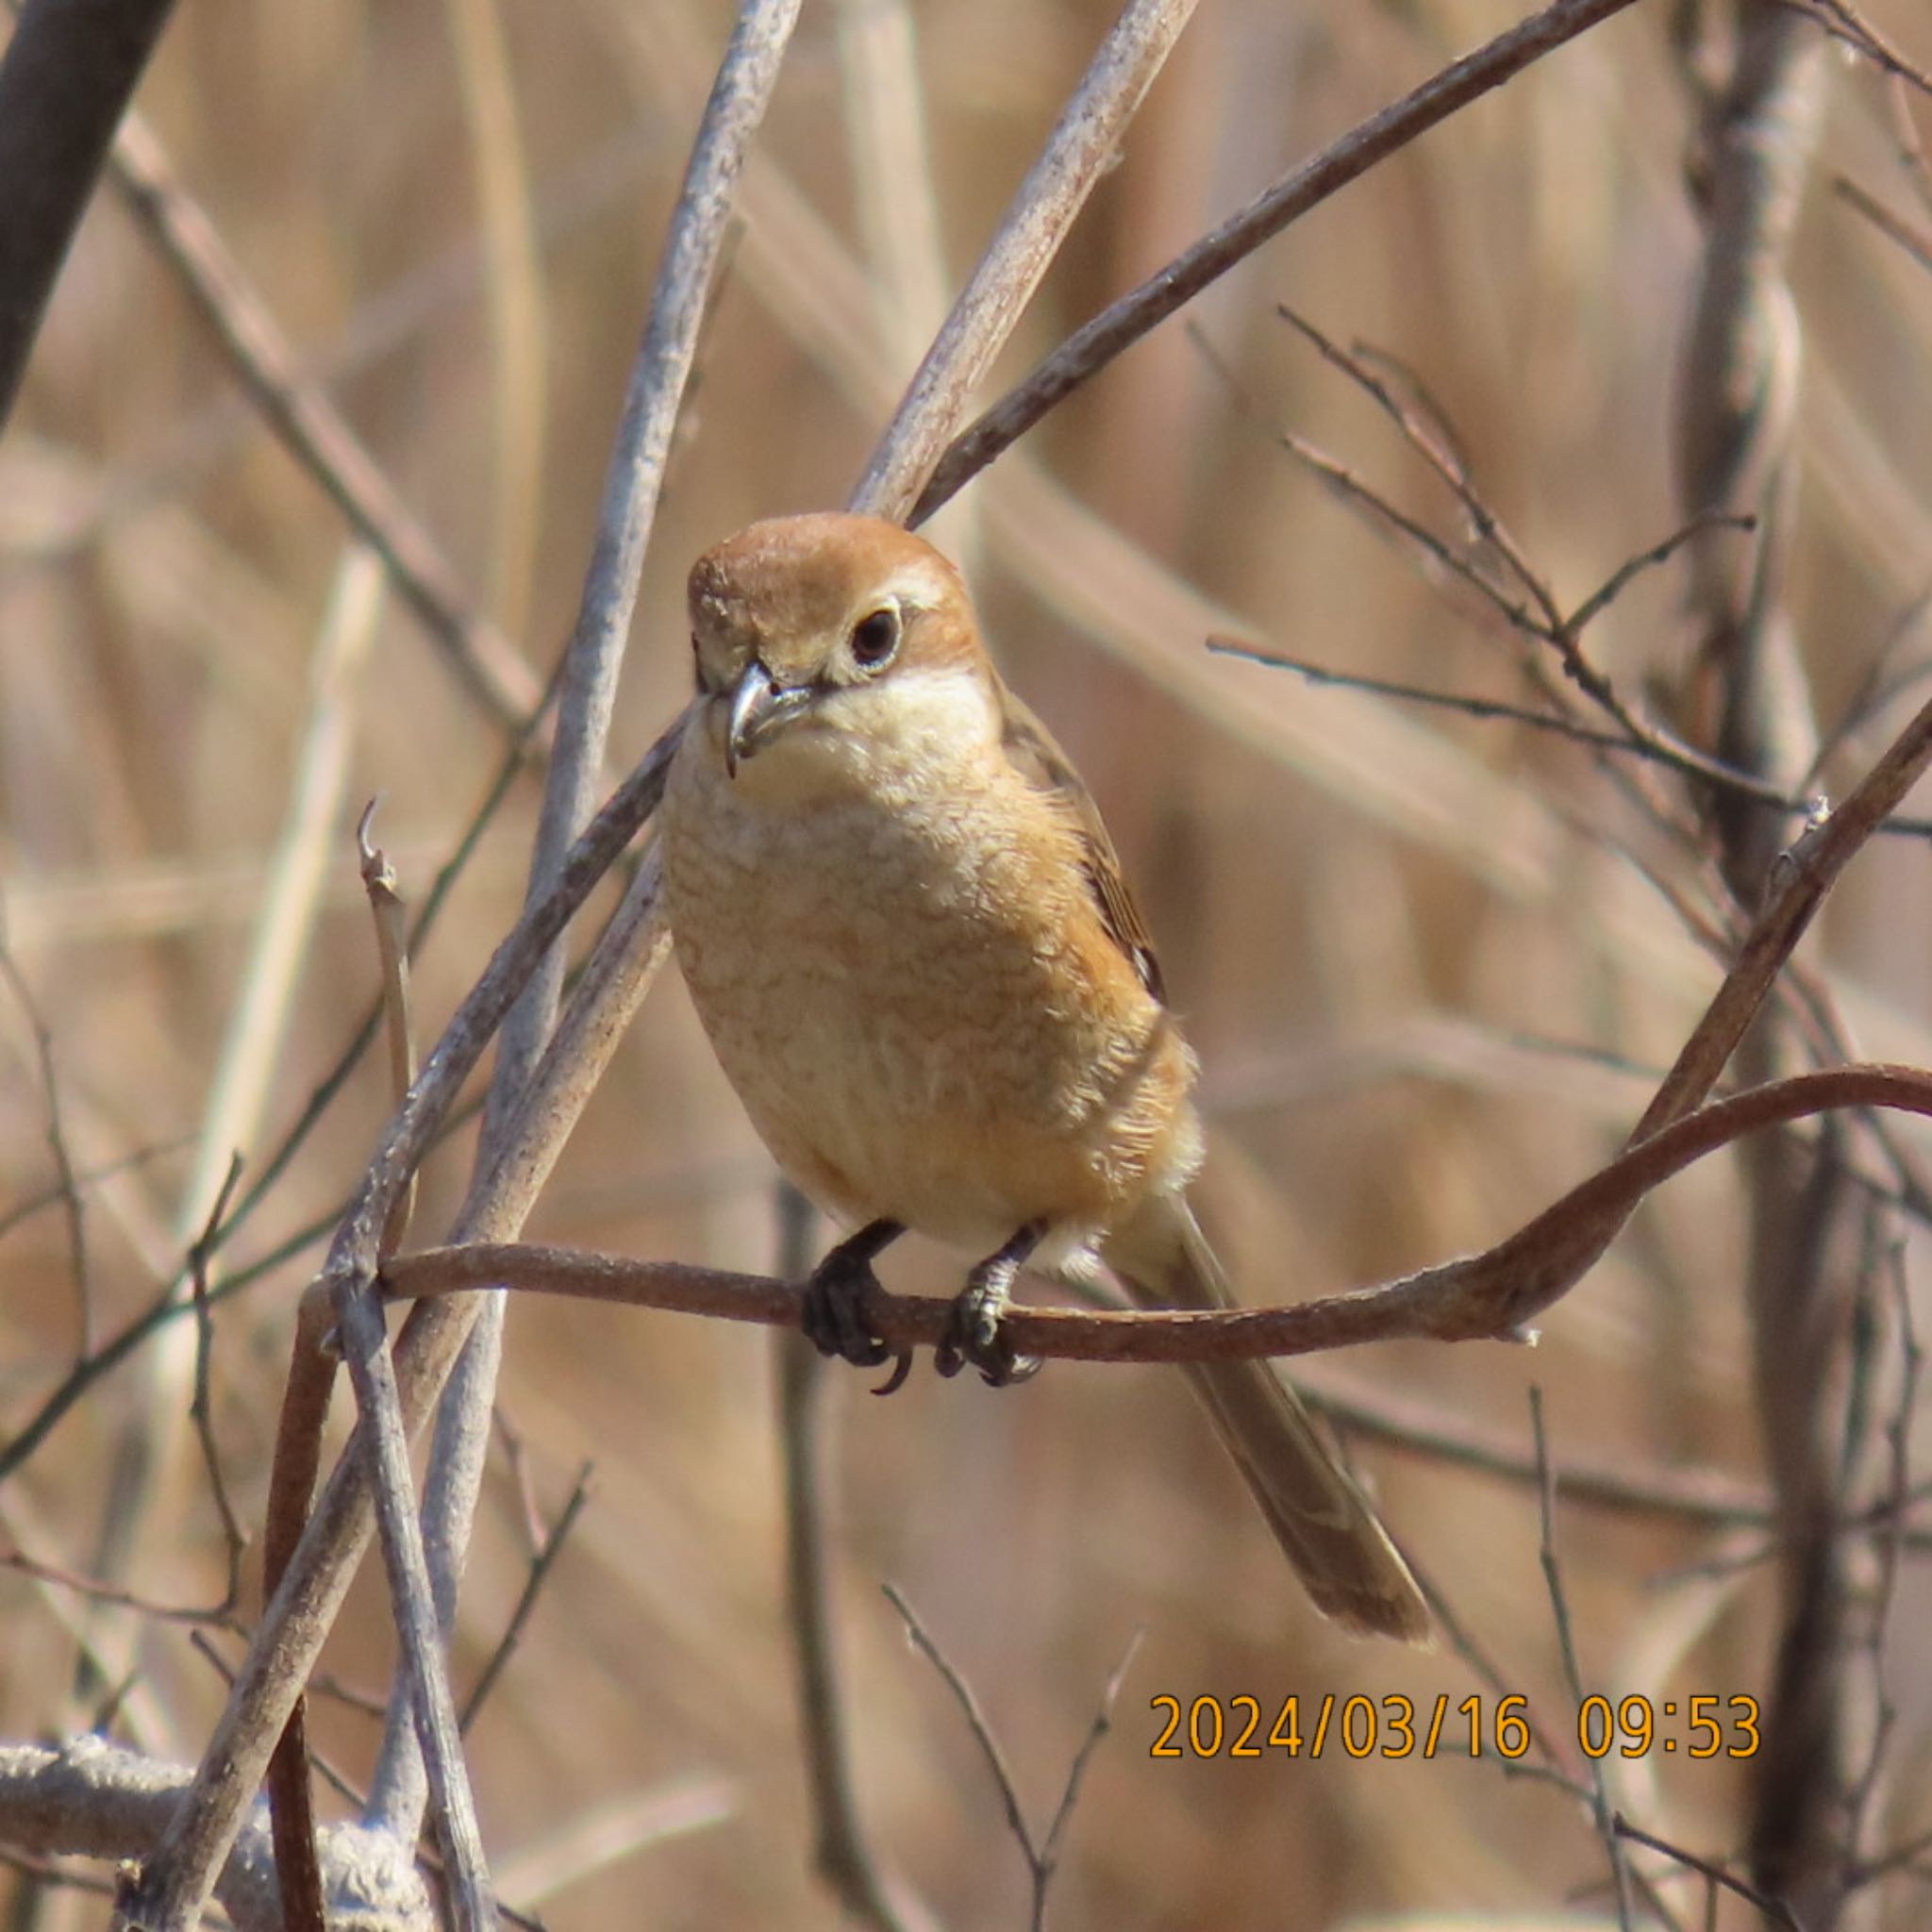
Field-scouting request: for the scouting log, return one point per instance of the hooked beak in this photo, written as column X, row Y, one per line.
column 758, row 707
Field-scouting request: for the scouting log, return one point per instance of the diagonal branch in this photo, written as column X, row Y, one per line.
column 1083, row 355
column 68, row 73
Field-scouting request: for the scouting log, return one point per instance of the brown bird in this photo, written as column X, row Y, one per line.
column 906, row 931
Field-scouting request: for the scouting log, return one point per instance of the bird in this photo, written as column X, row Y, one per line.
column 907, row 936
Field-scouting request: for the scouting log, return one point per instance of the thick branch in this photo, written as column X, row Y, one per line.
column 69, row 72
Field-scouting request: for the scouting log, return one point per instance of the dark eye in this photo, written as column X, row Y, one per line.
column 874, row 639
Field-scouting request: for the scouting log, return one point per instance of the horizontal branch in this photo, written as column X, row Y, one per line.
column 1486, row 1296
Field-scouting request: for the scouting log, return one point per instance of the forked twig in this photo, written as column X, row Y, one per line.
column 1042, row 1854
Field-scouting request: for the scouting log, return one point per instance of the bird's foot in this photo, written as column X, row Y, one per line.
column 834, row 1315
column 973, row 1331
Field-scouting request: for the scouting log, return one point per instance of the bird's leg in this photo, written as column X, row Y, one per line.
column 973, row 1329
column 833, row 1320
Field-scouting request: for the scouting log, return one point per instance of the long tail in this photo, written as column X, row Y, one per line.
column 1320, row 1517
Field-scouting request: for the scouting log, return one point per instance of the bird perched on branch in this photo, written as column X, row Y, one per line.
column 906, row 931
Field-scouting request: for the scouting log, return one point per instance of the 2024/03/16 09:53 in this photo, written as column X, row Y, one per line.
column 1392, row 1726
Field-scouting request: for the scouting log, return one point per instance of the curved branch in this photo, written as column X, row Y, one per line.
column 1486, row 1296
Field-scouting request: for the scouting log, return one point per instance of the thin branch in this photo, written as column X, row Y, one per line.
column 1664, row 751
column 221, row 1616
column 1042, row 1855
column 1705, row 1497
column 1845, row 24
column 1117, row 328
column 1775, row 1909
column 201, row 1410
column 1916, row 241
column 55, row 1197
column 1566, row 1646
column 1889, row 1537
column 541, row 1565
column 1076, row 1772
column 448, row 874
column 66, row 1189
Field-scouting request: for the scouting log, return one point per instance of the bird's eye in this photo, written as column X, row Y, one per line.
column 875, row 638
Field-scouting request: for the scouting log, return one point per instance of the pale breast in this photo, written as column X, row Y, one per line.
column 910, row 992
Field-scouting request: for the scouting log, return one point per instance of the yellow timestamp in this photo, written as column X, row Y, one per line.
column 1396, row 1727
column 1711, row 1726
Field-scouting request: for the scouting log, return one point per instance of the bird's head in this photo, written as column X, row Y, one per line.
column 833, row 633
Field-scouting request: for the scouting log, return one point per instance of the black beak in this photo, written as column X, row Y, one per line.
column 758, row 706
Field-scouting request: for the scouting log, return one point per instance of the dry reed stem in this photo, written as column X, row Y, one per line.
column 514, row 293
column 184, row 1867
column 317, row 435
column 1078, row 151
column 588, row 687
column 1746, row 689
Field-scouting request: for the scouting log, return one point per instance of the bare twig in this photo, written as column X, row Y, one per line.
column 451, row 871
column 1566, row 1646
column 1701, row 1496
column 57, row 1196
column 541, row 1567
column 18, row 1560
column 1775, row 1909
column 1844, row 23
column 1076, row 1772
column 1889, row 1537
column 1042, row 1854
column 1663, row 750
column 201, row 1411
column 66, row 1187
column 1916, row 241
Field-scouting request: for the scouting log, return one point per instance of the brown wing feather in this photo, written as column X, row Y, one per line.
column 1037, row 757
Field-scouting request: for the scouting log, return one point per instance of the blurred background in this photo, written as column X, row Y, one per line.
column 1425, row 959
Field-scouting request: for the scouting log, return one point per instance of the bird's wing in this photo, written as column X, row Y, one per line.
column 1044, row 765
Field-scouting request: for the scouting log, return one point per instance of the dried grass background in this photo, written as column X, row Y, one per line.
column 1410, row 948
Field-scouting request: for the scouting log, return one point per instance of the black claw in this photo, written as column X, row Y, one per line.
column 834, row 1313
column 901, row 1367
column 973, row 1331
